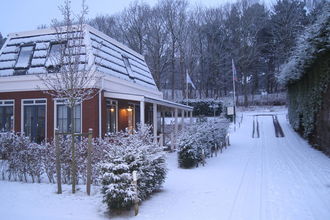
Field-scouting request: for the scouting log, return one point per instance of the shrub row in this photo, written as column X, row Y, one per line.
column 23, row 160
column 114, row 159
column 201, row 137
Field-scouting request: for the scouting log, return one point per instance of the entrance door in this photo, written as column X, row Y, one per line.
column 34, row 122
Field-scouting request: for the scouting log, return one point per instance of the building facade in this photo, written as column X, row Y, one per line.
column 126, row 93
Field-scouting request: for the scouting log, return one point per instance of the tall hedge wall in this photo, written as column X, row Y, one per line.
column 305, row 98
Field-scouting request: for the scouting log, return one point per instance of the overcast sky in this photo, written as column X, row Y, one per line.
column 23, row 15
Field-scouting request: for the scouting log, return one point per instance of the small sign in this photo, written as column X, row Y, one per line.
column 230, row 110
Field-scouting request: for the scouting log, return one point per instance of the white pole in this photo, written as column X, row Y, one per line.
column 155, row 121
column 142, row 121
column 234, row 89
column 186, row 88
column 100, row 113
column 182, row 119
column 175, row 127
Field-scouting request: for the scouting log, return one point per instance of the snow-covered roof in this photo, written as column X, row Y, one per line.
column 108, row 56
column 311, row 45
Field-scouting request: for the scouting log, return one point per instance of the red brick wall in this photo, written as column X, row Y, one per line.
column 18, row 96
column 90, row 110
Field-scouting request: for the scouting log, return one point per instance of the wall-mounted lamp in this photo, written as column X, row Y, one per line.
column 129, row 109
column 112, row 109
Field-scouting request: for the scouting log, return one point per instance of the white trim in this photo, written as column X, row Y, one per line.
column 142, row 112
column 100, row 114
column 125, row 96
column 7, row 100
column 115, row 84
column 155, row 121
column 140, row 98
column 13, row 105
column 22, row 112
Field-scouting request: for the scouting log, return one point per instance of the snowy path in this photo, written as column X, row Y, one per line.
column 256, row 178
column 265, row 178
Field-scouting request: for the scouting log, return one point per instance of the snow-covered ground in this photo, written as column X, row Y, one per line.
column 263, row 178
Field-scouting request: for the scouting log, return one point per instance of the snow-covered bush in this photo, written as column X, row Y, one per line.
column 307, row 75
column 23, row 158
column 203, row 136
column 127, row 153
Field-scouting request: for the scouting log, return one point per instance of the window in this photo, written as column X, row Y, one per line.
column 6, row 115
column 112, row 109
column 128, row 67
column 24, row 60
column 54, row 59
column 34, row 119
column 63, row 117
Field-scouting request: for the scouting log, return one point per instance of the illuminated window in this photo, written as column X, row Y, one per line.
column 112, row 109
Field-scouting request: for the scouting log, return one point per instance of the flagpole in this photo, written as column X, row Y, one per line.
column 234, row 91
column 186, row 88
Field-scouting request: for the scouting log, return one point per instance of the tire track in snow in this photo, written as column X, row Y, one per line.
column 246, row 201
column 294, row 177
column 263, row 177
column 306, row 169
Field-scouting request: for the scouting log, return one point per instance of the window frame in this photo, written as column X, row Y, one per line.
column 32, row 102
column 109, row 103
column 58, row 102
column 23, row 70
column 4, row 104
column 51, row 68
column 128, row 67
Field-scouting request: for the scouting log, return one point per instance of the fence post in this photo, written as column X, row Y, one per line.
column 203, row 157
column 136, row 200
column 58, row 163
column 89, row 161
column 172, row 142
column 216, row 149
column 161, row 139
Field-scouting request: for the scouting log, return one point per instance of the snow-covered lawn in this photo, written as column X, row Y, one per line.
column 262, row 178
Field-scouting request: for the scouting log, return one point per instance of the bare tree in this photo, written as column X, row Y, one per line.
column 71, row 74
column 175, row 16
column 157, row 46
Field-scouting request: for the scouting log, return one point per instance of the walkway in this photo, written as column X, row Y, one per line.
column 256, row 178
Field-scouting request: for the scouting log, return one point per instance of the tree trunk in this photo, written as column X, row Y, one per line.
column 73, row 162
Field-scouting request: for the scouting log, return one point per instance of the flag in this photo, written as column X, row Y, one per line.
column 188, row 80
column 234, row 70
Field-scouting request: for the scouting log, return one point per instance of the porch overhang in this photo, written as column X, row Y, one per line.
column 141, row 98
column 168, row 104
